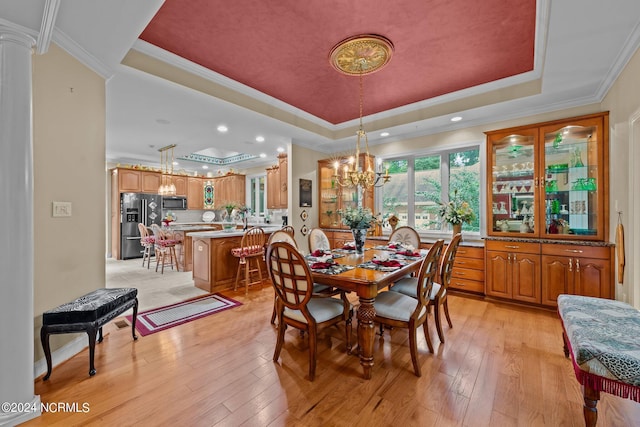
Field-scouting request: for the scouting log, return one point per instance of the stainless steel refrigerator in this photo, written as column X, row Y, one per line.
column 137, row 208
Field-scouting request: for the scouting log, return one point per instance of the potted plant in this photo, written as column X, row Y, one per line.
column 456, row 212
column 358, row 220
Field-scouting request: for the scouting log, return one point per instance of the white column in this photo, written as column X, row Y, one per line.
column 17, row 245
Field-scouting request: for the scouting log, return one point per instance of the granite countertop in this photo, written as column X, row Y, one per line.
column 220, row 234
column 552, row 241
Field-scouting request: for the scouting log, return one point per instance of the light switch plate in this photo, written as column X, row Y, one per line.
column 61, row 209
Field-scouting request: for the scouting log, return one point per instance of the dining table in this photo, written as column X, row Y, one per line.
column 358, row 273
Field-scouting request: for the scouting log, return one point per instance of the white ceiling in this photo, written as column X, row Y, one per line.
column 581, row 47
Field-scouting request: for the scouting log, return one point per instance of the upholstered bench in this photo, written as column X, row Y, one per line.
column 603, row 339
column 88, row 314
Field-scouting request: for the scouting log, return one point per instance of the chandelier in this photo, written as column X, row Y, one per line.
column 357, row 56
column 167, row 187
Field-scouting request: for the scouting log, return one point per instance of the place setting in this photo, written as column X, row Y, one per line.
column 401, row 250
column 348, row 248
column 383, row 262
column 322, row 261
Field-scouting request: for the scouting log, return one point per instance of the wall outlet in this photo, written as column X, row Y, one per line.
column 61, row 209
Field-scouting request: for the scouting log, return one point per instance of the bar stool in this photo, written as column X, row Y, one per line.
column 164, row 248
column 251, row 249
column 147, row 241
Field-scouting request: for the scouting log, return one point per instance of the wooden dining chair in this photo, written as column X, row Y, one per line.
column 289, row 230
column 251, row 250
column 406, row 235
column 439, row 291
column 292, row 281
column 398, row 310
column 318, row 240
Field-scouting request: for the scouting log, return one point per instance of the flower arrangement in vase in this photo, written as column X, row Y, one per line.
column 358, row 220
column 456, row 212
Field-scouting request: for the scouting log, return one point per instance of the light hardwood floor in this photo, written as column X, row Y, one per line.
column 501, row 365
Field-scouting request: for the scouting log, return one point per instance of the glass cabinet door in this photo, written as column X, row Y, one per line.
column 572, row 180
column 329, row 195
column 512, row 207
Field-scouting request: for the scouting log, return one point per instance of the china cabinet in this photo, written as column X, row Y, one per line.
column 550, row 179
column 548, row 211
column 333, row 196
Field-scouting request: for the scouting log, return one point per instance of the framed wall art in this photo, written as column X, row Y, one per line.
column 305, row 193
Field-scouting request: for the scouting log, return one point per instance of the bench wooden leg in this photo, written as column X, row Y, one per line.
column 91, row 332
column 566, row 347
column 591, row 398
column 44, row 338
column 133, row 320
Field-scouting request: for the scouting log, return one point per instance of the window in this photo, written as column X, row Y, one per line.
column 256, row 195
column 419, row 183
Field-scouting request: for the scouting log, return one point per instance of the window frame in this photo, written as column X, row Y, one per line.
column 444, row 153
column 248, row 188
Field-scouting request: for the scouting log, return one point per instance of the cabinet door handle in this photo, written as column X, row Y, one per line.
column 460, row 262
column 460, row 273
column 542, row 181
column 514, row 257
column 535, row 182
column 509, row 257
column 570, row 265
column 462, row 252
column 459, row 284
column 573, row 251
column 512, row 246
column 577, row 265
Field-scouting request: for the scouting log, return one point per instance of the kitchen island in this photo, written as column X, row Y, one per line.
column 214, row 268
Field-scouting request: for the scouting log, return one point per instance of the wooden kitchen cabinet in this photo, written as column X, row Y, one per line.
column 576, row 270
column 181, row 185
column 277, row 184
column 229, row 188
column 468, row 270
column 150, row 181
column 129, row 180
column 513, row 271
column 195, row 193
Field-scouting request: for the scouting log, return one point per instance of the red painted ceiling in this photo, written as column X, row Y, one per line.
column 281, row 47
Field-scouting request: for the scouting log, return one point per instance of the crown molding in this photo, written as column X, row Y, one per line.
column 82, row 55
column 46, row 28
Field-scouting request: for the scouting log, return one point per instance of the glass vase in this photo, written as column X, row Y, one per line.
column 359, row 237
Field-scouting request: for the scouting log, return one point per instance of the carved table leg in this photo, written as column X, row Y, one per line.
column 366, row 334
column 591, row 398
column 566, row 347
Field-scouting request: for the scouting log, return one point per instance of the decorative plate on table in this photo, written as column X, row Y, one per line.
column 208, row 216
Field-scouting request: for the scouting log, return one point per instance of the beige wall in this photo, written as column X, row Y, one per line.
column 623, row 103
column 305, row 166
column 69, row 165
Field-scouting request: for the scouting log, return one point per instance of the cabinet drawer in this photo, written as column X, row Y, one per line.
column 602, row 252
column 464, row 273
column 473, row 263
column 467, row 285
column 518, row 247
column 470, row 252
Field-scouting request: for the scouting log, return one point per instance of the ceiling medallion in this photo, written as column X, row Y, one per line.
column 363, row 54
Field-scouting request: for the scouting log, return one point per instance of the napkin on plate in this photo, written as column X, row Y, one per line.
column 349, row 246
column 388, row 263
column 408, row 252
column 320, row 265
column 319, row 253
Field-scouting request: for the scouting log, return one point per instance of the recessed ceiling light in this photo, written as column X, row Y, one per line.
column 384, row 134
column 263, row 155
column 260, row 138
column 205, row 167
column 163, row 121
column 280, row 150
column 222, row 128
column 456, row 119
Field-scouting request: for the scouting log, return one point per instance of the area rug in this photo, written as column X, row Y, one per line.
column 159, row 319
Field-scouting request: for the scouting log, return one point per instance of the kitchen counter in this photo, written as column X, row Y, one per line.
column 214, row 268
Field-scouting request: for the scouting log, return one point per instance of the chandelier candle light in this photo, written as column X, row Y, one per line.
column 356, row 56
column 167, row 187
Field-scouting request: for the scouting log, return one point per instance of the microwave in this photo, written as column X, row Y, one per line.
column 174, row 202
